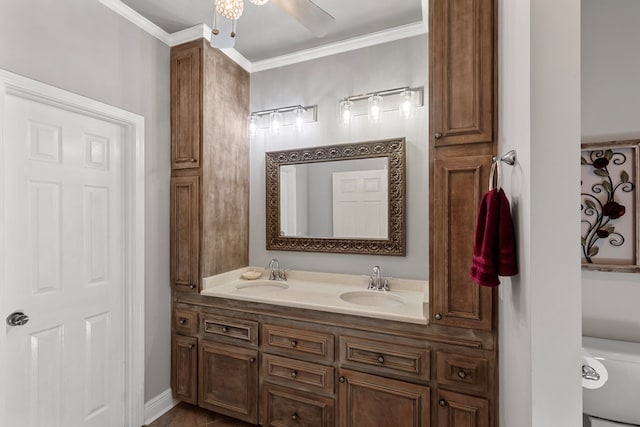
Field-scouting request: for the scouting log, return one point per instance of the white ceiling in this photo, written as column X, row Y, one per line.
column 267, row 31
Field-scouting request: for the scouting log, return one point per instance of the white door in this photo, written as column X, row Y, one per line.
column 63, row 267
column 360, row 204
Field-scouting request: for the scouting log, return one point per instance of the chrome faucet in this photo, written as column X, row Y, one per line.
column 275, row 272
column 377, row 282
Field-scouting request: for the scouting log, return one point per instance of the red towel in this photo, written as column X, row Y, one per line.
column 494, row 251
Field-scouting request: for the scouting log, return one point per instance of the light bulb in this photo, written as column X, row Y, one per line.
column 375, row 107
column 345, row 112
column 276, row 122
column 299, row 118
column 253, row 125
column 259, row 2
column 407, row 104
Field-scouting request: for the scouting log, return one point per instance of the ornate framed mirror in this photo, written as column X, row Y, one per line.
column 347, row 198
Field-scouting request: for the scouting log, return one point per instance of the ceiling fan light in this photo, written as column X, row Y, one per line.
column 230, row 9
column 259, row 2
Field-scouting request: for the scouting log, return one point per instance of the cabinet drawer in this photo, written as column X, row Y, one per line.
column 283, row 407
column 295, row 373
column 232, row 330
column 298, row 342
column 387, row 358
column 185, row 321
column 468, row 371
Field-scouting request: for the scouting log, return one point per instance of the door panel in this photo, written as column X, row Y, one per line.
column 62, row 181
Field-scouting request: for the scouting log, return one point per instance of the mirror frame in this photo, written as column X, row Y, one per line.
column 393, row 149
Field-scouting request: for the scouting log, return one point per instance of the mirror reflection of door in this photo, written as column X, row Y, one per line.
column 293, row 200
column 360, row 204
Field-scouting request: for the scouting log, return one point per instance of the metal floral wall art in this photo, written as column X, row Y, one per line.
column 609, row 224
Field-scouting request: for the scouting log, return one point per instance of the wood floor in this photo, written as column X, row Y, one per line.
column 185, row 415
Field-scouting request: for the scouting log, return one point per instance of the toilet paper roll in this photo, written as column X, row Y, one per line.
column 599, row 368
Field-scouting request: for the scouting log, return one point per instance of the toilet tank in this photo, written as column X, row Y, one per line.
column 619, row 398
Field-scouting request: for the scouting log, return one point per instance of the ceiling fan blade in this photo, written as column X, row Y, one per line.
column 309, row 14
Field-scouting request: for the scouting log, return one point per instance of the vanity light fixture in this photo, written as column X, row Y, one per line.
column 276, row 118
column 404, row 99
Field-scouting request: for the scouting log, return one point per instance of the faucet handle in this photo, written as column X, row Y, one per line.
column 385, row 286
column 371, row 285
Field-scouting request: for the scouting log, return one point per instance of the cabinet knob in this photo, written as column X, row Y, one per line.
column 182, row 321
column 191, row 346
column 438, row 316
column 442, row 402
column 381, row 359
column 225, row 329
column 294, row 417
column 462, row 374
column 294, row 343
column 341, row 379
column 294, row 374
column 438, row 135
column 252, row 359
column 192, row 286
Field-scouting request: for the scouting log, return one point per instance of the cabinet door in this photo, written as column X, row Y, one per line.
column 185, row 232
column 186, row 106
column 460, row 410
column 457, row 188
column 372, row 401
column 229, row 380
column 184, row 368
column 462, row 71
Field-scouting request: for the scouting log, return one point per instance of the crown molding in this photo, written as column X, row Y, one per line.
column 204, row 31
column 134, row 17
column 372, row 39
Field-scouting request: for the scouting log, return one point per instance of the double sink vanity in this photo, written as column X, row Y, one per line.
column 299, row 348
column 322, row 349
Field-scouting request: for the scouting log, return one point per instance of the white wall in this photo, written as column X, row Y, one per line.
column 610, row 111
column 540, row 311
column 83, row 47
column 324, row 82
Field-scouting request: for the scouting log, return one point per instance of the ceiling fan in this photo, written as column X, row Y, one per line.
column 306, row 12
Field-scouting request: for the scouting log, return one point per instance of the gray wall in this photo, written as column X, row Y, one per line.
column 83, row 47
column 324, row 82
column 610, row 111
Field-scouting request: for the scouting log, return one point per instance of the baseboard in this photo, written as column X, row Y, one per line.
column 158, row 406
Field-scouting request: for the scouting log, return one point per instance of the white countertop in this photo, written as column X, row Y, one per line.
column 321, row 291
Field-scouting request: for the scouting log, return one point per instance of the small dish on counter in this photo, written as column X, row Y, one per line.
column 251, row 275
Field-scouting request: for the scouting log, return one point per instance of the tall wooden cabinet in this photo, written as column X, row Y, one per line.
column 209, row 204
column 209, row 164
column 462, row 108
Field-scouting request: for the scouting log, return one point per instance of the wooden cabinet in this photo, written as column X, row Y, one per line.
column 184, row 369
column 185, row 233
column 460, row 410
column 463, row 111
column 209, row 164
column 186, row 110
column 461, row 50
column 372, row 401
column 459, row 183
column 228, row 380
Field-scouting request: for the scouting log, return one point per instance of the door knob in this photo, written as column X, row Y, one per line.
column 17, row 318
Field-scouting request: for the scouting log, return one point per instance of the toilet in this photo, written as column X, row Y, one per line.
column 617, row 402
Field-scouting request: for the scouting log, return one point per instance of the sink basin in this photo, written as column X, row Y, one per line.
column 262, row 286
column 373, row 299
